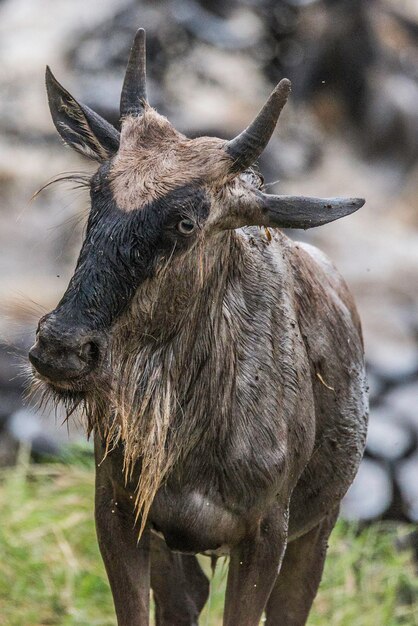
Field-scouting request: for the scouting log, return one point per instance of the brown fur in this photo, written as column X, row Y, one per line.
column 154, row 158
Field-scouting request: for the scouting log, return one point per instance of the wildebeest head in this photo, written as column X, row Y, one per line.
column 155, row 196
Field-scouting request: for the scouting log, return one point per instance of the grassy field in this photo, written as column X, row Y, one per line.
column 51, row 572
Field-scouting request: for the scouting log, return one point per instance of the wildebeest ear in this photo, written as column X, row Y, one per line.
column 79, row 126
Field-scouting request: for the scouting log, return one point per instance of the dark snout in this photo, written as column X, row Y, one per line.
column 65, row 354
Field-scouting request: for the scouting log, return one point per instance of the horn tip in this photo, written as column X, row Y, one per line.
column 348, row 204
column 353, row 203
column 284, row 87
column 50, row 81
column 345, row 205
column 48, row 74
column 286, row 82
column 140, row 35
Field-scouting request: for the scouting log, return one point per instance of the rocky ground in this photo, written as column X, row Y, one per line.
column 210, row 69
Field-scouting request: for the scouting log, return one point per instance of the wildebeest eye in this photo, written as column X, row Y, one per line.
column 186, row 226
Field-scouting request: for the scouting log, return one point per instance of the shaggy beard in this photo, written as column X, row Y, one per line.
column 74, row 400
column 134, row 408
column 144, row 382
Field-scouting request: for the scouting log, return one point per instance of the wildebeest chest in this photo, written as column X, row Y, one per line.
column 220, row 493
column 238, row 399
column 220, row 490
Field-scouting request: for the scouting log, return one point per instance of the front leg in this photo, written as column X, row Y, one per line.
column 127, row 561
column 179, row 586
column 253, row 569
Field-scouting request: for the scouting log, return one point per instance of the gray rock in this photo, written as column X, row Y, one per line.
column 370, row 495
column 387, row 438
column 403, row 402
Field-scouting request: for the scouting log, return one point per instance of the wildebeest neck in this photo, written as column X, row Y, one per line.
column 184, row 346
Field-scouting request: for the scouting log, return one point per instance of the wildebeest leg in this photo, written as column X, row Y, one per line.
column 127, row 561
column 253, row 568
column 296, row 586
column 179, row 586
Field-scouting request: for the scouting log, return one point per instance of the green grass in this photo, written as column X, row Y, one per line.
column 51, row 572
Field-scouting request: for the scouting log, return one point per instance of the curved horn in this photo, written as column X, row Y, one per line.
column 134, row 90
column 248, row 146
column 305, row 212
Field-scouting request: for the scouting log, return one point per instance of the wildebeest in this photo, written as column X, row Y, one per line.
column 219, row 365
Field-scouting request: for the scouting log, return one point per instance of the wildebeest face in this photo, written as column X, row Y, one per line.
column 122, row 249
column 155, row 196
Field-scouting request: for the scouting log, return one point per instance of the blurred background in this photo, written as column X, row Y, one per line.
column 350, row 128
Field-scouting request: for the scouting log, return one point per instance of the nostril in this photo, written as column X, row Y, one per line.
column 63, row 354
column 33, row 357
column 89, row 352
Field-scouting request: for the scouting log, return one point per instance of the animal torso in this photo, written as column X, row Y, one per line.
column 267, row 386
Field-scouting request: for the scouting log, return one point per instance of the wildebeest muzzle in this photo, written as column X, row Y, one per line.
column 65, row 353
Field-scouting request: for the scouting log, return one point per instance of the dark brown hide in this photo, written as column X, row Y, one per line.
column 221, row 370
column 272, row 405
